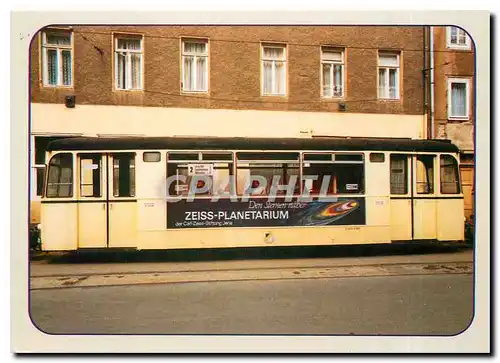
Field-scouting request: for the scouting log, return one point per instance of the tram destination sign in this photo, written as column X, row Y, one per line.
column 260, row 212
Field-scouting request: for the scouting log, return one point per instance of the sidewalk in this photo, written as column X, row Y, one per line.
column 44, row 269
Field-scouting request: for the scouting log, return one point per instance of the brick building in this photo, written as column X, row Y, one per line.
column 452, row 98
column 253, row 81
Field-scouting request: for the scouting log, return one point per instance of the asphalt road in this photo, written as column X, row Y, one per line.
column 400, row 305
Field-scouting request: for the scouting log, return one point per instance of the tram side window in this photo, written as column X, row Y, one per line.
column 60, row 176
column 251, row 166
column 346, row 177
column 90, row 175
column 124, row 175
column 450, row 182
column 399, row 174
column 425, row 174
column 216, row 173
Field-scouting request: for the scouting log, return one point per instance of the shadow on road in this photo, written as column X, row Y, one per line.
column 102, row 256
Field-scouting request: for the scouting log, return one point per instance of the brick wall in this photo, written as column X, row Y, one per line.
column 234, row 67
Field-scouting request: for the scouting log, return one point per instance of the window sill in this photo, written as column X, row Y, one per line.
column 194, row 92
column 458, row 47
column 49, row 86
column 274, row 95
column 128, row 90
column 339, row 98
column 389, row 99
column 458, row 118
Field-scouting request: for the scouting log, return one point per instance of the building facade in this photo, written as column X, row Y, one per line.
column 452, row 99
column 250, row 81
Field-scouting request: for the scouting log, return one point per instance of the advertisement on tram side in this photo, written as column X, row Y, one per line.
column 260, row 212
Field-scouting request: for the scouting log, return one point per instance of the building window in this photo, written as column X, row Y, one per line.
column 194, row 66
column 332, row 72
column 388, row 75
column 458, row 98
column 457, row 38
column 57, row 58
column 274, row 70
column 128, row 62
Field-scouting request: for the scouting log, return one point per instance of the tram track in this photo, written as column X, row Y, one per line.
column 247, row 274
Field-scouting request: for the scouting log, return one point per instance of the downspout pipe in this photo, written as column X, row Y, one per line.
column 431, row 96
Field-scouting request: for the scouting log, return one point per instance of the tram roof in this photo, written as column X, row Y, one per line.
column 242, row 143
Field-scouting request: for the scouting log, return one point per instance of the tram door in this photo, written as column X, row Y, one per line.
column 92, row 203
column 424, row 197
column 122, row 202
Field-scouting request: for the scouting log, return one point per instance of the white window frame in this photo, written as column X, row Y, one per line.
column 333, row 63
column 59, row 49
column 285, row 63
column 386, row 81
column 465, row 81
column 449, row 44
column 128, row 78
column 195, row 56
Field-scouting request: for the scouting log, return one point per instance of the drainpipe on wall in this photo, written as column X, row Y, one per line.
column 431, row 66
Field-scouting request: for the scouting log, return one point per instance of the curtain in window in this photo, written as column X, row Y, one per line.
column 381, row 83
column 52, row 66
column 392, row 83
column 188, row 82
column 268, row 77
column 55, row 39
column 458, row 97
column 129, row 44
column 337, row 86
column 135, row 60
column 273, row 53
column 120, row 70
column 327, row 90
column 453, row 35
column 201, row 73
column 66, row 60
column 280, row 78
column 199, row 48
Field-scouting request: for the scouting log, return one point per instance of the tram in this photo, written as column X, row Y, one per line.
column 181, row 193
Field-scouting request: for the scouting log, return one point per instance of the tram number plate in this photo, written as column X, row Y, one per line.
column 200, row 169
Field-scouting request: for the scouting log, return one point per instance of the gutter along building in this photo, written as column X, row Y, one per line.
column 232, row 81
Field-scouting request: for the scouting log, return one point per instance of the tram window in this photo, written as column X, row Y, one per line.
column 124, row 175
column 219, row 180
column 217, row 156
column 343, row 178
column 151, row 157
column 449, row 175
column 318, row 157
column 425, row 174
column 285, row 171
column 90, row 175
column 40, row 175
column 60, row 176
column 399, row 174
column 183, row 156
column 348, row 157
column 377, row 157
column 292, row 157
